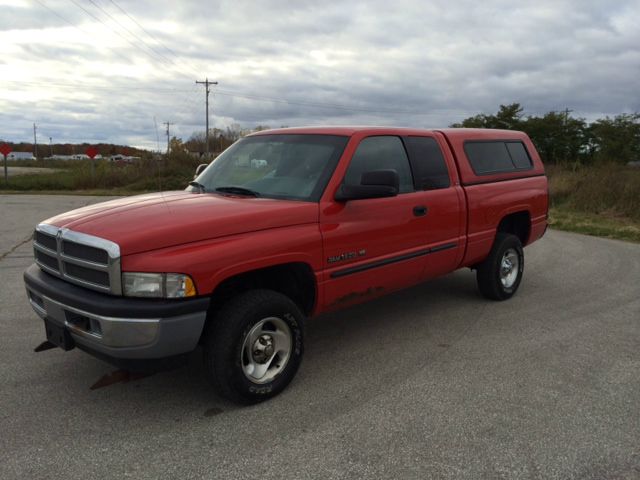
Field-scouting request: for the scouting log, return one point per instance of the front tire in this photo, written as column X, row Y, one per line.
column 253, row 346
column 500, row 274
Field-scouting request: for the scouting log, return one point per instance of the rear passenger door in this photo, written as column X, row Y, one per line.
column 445, row 217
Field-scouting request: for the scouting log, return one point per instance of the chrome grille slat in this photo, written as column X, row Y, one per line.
column 85, row 260
column 39, row 247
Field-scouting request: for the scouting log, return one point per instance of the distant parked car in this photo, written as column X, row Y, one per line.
column 21, row 156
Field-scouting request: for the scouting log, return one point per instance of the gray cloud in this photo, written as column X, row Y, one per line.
column 408, row 63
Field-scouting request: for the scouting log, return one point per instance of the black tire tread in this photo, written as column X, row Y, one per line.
column 221, row 335
column 486, row 276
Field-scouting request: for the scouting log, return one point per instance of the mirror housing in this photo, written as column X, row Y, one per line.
column 373, row 184
column 200, row 168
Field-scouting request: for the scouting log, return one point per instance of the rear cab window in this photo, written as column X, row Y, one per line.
column 428, row 163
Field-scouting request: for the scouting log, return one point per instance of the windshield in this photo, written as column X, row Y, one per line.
column 274, row 166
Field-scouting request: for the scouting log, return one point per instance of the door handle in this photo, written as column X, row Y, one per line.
column 420, row 211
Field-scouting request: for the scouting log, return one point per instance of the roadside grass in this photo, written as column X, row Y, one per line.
column 604, row 224
column 609, row 189
column 602, row 200
column 145, row 176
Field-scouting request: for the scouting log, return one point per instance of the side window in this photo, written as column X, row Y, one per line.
column 519, row 154
column 497, row 156
column 380, row 153
column 428, row 163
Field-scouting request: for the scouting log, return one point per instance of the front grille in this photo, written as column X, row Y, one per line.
column 45, row 240
column 79, row 258
column 48, row 260
column 85, row 252
column 87, row 274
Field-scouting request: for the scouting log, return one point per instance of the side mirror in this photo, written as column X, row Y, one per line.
column 373, row 184
column 200, row 168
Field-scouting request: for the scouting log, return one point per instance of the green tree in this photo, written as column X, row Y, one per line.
column 559, row 138
column 616, row 139
column 509, row 117
column 176, row 146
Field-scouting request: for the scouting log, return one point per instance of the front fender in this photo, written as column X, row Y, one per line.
column 210, row 262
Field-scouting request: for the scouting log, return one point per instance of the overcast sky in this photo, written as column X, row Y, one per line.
column 110, row 71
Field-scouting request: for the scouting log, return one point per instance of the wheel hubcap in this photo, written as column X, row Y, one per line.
column 509, row 268
column 263, row 348
column 266, row 350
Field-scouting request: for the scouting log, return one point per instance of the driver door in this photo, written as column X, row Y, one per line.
column 373, row 246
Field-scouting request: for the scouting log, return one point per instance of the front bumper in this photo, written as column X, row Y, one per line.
column 117, row 329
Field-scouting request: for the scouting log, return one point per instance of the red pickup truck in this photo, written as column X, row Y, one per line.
column 284, row 225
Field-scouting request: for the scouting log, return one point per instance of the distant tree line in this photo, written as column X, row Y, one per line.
column 563, row 139
column 219, row 139
column 559, row 137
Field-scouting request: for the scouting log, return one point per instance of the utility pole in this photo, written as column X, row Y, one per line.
column 206, row 84
column 168, row 124
column 35, row 142
column 50, row 147
column 566, row 113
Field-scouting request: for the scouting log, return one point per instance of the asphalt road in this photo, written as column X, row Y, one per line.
column 432, row 382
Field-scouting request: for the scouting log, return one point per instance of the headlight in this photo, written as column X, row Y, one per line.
column 158, row 285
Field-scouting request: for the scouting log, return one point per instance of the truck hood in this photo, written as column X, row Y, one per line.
column 158, row 220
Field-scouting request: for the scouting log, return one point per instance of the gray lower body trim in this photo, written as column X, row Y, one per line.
column 118, row 337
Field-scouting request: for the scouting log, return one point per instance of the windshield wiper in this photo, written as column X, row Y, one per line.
column 238, row 191
column 201, row 188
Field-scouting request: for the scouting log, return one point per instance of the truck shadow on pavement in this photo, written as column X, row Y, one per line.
column 360, row 350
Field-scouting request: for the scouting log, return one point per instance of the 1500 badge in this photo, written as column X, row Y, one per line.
column 346, row 256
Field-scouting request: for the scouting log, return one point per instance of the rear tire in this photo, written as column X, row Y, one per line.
column 500, row 274
column 253, row 346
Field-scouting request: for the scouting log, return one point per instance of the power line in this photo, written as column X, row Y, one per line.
column 238, row 94
column 156, row 39
column 154, row 56
column 141, row 27
column 129, row 31
column 128, row 60
column 89, row 35
column 228, row 93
